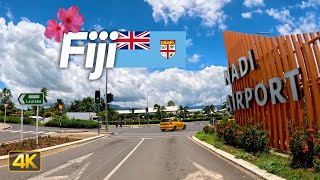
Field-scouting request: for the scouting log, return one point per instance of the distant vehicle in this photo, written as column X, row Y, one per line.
column 231, row 119
column 35, row 118
column 172, row 124
column 81, row 115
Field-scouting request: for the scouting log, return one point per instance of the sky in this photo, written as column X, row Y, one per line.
column 30, row 61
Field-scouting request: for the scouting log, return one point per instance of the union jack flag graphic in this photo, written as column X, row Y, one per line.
column 133, row 40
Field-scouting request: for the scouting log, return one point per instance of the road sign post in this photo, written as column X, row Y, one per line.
column 5, row 112
column 32, row 99
column 21, row 124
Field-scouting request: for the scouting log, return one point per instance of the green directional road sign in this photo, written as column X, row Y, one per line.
column 33, row 99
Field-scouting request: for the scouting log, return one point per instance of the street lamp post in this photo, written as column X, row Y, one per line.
column 148, row 106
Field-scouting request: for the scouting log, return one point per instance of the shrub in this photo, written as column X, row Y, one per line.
column 303, row 146
column 208, row 129
column 250, row 138
column 71, row 123
column 48, row 114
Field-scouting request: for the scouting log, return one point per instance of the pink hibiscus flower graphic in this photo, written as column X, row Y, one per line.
column 71, row 18
column 54, row 30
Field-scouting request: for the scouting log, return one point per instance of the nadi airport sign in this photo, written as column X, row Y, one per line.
column 34, row 99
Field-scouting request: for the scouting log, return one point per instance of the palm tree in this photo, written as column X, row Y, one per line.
column 183, row 111
column 44, row 90
column 5, row 95
column 170, row 103
column 209, row 109
column 160, row 111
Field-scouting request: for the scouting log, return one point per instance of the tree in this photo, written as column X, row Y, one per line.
column 224, row 105
column 209, row 109
column 59, row 102
column 170, row 103
column 5, row 97
column 160, row 113
column 84, row 105
column 45, row 94
column 183, row 111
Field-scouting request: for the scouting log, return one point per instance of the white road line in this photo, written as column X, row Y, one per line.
column 13, row 131
column 119, row 165
column 67, row 149
column 27, row 132
column 69, row 163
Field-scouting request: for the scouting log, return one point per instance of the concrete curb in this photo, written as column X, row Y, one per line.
column 8, row 127
column 247, row 165
column 61, row 145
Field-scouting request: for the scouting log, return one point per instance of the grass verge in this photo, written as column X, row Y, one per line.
column 270, row 162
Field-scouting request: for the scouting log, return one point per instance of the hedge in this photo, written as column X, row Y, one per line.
column 72, row 123
column 16, row 120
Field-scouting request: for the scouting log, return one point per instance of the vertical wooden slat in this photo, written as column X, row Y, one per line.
column 274, row 57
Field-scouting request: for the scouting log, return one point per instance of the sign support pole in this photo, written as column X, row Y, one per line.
column 106, row 100
column 37, row 139
column 21, row 124
column 5, row 113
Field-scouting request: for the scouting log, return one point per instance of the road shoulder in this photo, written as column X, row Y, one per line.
column 246, row 165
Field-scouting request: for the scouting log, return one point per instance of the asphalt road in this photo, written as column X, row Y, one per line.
column 14, row 133
column 136, row 153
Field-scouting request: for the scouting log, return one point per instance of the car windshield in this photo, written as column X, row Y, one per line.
column 166, row 120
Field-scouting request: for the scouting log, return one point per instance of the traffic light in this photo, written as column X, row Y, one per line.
column 97, row 97
column 109, row 97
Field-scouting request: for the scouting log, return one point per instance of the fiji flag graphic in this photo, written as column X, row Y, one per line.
column 151, row 49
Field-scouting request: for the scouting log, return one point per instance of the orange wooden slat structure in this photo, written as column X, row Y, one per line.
column 275, row 56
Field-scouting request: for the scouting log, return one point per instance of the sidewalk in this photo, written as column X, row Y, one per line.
column 4, row 126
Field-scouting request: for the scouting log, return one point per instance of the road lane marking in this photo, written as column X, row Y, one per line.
column 69, row 163
column 119, row 165
column 24, row 132
column 203, row 173
column 67, row 149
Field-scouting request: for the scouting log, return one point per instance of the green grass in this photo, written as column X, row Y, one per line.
column 272, row 163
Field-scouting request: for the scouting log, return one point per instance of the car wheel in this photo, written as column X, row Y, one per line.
column 184, row 127
column 162, row 130
column 174, row 128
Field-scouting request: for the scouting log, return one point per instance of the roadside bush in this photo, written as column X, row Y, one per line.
column 16, row 120
column 250, row 138
column 207, row 129
column 71, row 123
column 47, row 114
column 304, row 145
column 254, row 139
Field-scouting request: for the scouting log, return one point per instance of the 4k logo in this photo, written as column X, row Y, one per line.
column 24, row 161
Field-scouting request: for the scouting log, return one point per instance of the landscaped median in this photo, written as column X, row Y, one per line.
column 47, row 144
column 263, row 163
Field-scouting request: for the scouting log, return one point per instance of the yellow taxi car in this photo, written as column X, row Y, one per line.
column 232, row 118
column 172, row 124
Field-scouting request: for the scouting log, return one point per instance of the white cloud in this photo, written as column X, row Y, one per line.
column 30, row 61
column 253, row 3
column 210, row 33
column 194, row 58
column 97, row 27
column 9, row 14
column 281, row 15
column 189, row 42
column 309, row 3
column 247, row 15
column 122, row 30
column 209, row 11
column 304, row 24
